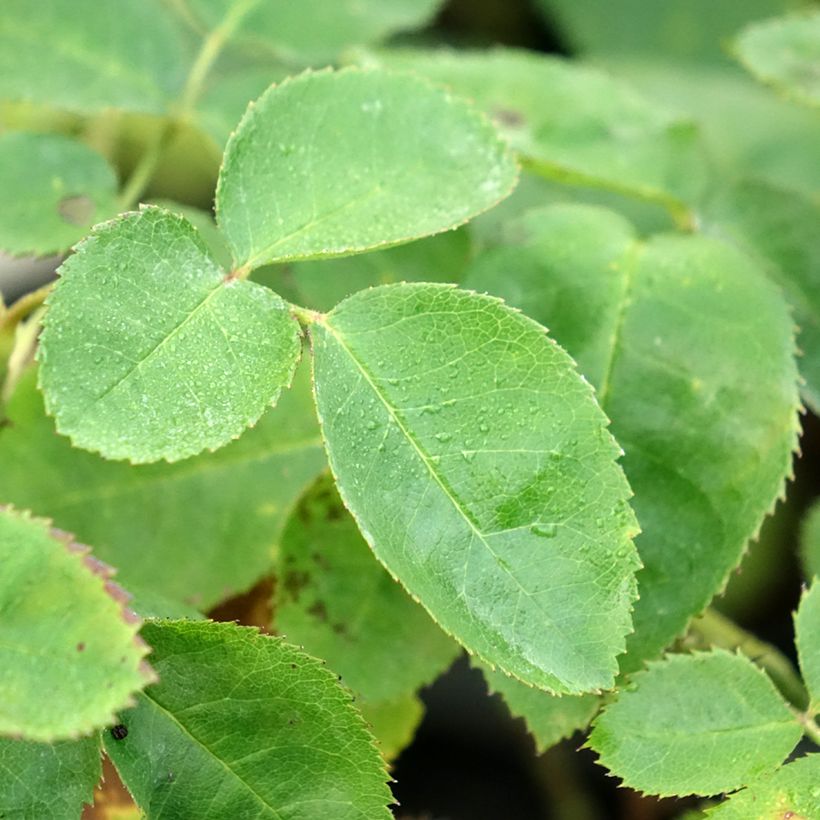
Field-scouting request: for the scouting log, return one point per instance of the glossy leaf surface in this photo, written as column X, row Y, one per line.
column 69, row 652
column 333, row 163
column 151, row 351
column 54, row 188
column 695, row 724
column 244, row 725
column 691, row 350
column 479, row 469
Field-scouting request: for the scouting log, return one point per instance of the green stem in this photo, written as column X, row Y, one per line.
column 144, row 170
column 211, row 48
column 24, row 306
column 809, row 725
column 681, row 214
column 718, row 630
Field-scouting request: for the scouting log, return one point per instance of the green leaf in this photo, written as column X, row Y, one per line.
column 784, row 53
column 54, row 190
column 333, row 598
column 240, row 496
column 205, row 225
column 393, row 722
column 48, row 781
column 680, row 29
column 780, row 227
column 316, row 31
column 810, row 541
column 333, row 163
column 807, row 638
column 549, row 718
column 69, row 652
column 322, row 284
column 86, row 56
column 150, row 351
column 570, row 122
column 695, row 724
column 479, row 468
column 691, row 350
column 244, row 725
column 790, row 792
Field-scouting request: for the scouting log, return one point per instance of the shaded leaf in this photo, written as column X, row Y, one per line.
column 549, row 718
column 86, row 56
column 807, row 638
column 680, row 29
column 780, row 226
column 323, row 283
column 572, row 122
column 54, row 190
column 69, row 652
column 233, row 711
column 479, row 469
column 315, row 31
column 48, row 781
column 810, row 541
column 150, row 351
column 691, row 350
column 336, row 600
column 333, row 163
column 695, row 724
column 791, row 793
column 393, row 722
column 213, row 520
column 784, row 52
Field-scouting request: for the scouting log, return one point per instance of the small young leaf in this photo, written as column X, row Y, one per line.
column 244, row 725
column 54, row 190
column 577, row 123
column 316, row 31
column 335, row 163
column 241, row 496
column 549, row 718
column 48, row 781
column 695, row 724
column 86, row 56
column 70, row 654
column 150, row 351
column 780, row 226
column 336, row 600
column 790, row 793
column 691, row 349
column 479, row 468
column 807, row 638
column 784, row 52
column 810, row 541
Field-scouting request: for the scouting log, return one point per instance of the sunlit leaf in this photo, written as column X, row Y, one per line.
column 695, row 724
column 479, row 469
column 244, row 725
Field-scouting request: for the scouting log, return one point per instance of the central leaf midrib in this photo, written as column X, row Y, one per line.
column 425, row 459
column 157, row 348
column 213, row 755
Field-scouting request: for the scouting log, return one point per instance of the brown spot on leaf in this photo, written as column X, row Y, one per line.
column 318, row 610
column 251, row 608
column 76, row 210
column 294, row 582
column 506, row 116
column 81, row 646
